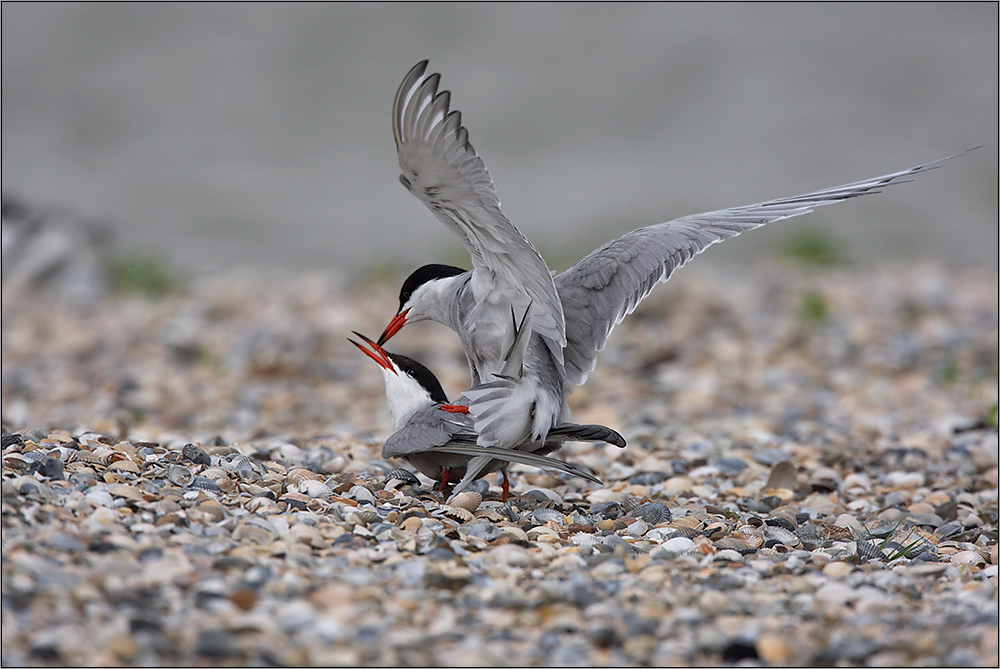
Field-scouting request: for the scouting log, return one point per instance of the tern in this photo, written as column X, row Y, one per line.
column 574, row 311
column 438, row 437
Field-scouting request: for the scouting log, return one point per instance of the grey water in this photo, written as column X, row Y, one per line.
column 223, row 135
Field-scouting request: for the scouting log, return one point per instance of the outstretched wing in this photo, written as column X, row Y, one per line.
column 605, row 286
column 440, row 167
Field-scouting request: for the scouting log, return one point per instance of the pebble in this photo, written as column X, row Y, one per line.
column 299, row 545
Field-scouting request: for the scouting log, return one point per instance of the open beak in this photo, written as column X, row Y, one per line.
column 394, row 326
column 377, row 353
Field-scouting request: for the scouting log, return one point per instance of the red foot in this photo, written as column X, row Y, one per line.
column 506, row 485
column 454, row 408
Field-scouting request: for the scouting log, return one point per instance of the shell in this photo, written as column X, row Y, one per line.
column 315, row 489
column 124, row 465
column 404, row 475
column 243, row 466
column 868, row 551
column 205, row 484
column 298, row 475
column 781, row 535
column 179, row 475
column 467, row 500
column 543, row 516
column 637, row 528
column 584, row 539
column 653, row 513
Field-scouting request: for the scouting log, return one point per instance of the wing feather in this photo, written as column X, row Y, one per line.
column 441, row 168
column 607, row 285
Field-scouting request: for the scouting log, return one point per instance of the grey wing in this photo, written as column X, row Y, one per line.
column 440, row 167
column 605, row 286
column 428, row 428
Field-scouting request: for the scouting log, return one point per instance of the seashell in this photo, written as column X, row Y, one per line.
column 315, row 489
column 653, row 513
column 215, row 473
column 255, row 530
column 781, row 535
column 778, row 521
column 179, row 475
column 467, row 500
column 869, row 551
column 298, row 475
column 677, row 546
column 362, row 494
column 507, row 510
column 205, row 484
column 580, row 527
column 367, row 515
column 584, row 539
column 543, row 516
column 513, row 531
column 404, row 475
column 296, row 500
column 637, row 528
column 811, row 536
column 632, row 503
column 85, row 456
column 752, row 540
column 490, row 515
column 732, row 542
column 16, row 461
column 688, row 522
column 716, row 530
column 544, row 495
column 243, row 466
column 125, row 447
column 124, row 465
column 262, row 505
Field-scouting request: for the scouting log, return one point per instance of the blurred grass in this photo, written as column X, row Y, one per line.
column 813, row 309
column 142, row 273
column 813, row 246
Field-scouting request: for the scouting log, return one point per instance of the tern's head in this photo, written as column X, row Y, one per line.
column 421, row 297
column 409, row 386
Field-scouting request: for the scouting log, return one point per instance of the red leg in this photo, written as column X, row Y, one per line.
column 444, row 478
column 506, row 484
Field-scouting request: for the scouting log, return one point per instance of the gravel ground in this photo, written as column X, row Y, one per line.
column 811, row 478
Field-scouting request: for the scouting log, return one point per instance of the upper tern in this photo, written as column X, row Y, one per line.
column 572, row 312
column 438, row 438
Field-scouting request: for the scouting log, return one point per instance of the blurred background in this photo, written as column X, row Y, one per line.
column 217, row 136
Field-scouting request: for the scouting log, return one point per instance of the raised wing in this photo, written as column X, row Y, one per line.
column 441, row 168
column 605, row 286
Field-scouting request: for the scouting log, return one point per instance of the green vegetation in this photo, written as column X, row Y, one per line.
column 813, row 246
column 813, row 309
column 142, row 273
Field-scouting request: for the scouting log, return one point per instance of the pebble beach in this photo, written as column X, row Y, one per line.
column 810, row 479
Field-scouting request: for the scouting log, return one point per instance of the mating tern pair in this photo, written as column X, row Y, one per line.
column 567, row 317
column 439, row 439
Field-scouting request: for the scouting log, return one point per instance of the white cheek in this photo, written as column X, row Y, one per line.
column 404, row 396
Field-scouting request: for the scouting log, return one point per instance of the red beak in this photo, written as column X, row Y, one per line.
column 377, row 353
column 394, row 326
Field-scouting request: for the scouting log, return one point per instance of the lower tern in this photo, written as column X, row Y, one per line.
column 438, row 437
column 574, row 311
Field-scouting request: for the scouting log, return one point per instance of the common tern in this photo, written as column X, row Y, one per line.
column 438, row 437
column 574, row 311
